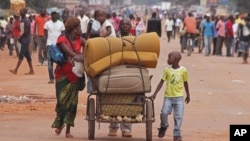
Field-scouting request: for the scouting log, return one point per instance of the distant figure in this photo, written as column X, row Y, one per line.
column 208, row 33
column 229, row 35
column 9, row 35
column 52, row 29
column 169, row 23
column 65, row 15
column 40, row 21
column 140, row 27
column 133, row 24
column 154, row 24
column 16, row 32
column 190, row 26
column 244, row 38
column 84, row 22
column 3, row 24
column 106, row 29
column 220, row 26
column 24, row 39
column 115, row 21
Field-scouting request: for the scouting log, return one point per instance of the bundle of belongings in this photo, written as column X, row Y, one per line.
column 118, row 66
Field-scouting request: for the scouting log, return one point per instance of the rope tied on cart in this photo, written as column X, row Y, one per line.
column 110, row 62
column 139, row 61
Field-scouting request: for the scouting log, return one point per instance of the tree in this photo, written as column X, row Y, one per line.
column 243, row 5
column 4, row 4
column 36, row 4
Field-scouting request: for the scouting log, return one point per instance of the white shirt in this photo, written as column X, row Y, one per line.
column 3, row 23
column 103, row 29
column 235, row 29
column 84, row 23
column 178, row 22
column 169, row 25
column 54, row 31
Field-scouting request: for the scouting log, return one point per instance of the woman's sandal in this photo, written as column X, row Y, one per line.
column 29, row 73
column 59, row 130
column 13, row 71
column 68, row 135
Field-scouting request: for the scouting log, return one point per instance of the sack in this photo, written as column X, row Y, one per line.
column 124, row 79
column 80, row 84
column 56, row 55
column 245, row 31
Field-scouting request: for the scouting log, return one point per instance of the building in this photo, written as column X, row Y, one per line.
column 69, row 3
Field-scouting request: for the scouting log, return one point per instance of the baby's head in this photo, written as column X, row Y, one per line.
column 174, row 57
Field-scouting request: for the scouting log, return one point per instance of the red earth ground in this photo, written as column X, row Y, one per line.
column 219, row 87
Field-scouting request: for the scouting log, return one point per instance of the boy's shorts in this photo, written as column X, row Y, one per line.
column 244, row 46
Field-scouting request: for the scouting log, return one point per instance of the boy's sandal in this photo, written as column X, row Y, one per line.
column 177, row 138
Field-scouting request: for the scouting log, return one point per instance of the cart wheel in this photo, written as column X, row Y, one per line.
column 91, row 119
column 149, row 120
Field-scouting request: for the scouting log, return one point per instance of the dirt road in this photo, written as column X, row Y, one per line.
column 219, row 88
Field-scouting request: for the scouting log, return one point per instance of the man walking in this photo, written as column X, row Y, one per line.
column 52, row 29
column 24, row 39
column 154, row 24
column 40, row 20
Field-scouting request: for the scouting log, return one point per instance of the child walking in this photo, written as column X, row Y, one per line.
column 176, row 78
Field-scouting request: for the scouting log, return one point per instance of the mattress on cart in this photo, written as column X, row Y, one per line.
column 98, row 48
column 101, row 53
column 146, row 59
column 124, row 79
column 115, row 104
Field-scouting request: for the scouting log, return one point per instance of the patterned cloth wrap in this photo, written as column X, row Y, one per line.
column 111, row 104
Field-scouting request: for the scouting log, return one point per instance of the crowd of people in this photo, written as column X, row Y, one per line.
column 36, row 33
column 27, row 34
column 214, row 30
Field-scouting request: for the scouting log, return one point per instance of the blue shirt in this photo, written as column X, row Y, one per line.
column 208, row 29
column 215, row 31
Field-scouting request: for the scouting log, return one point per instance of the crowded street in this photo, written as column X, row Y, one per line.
column 134, row 70
column 219, row 89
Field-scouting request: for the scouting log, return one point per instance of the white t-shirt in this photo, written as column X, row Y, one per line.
column 3, row 23
column 178, row 22
column 103, row 29
column 235, row 29
column 84, row 23
column 54, row 31
column 169, row 25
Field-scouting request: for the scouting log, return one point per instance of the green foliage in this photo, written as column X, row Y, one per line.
column 4, row 4
column 35, row 4
column 242, row 5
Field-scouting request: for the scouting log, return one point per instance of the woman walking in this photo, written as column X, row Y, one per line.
column 66, row 87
